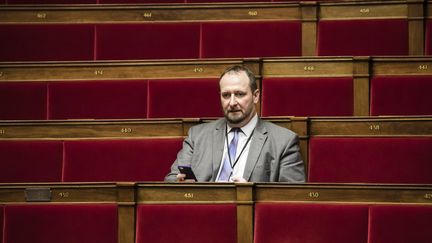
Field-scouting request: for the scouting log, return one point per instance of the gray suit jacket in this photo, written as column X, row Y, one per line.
column 273, row 155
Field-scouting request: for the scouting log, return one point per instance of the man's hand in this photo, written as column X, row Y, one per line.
column 238, row 179
column 182, row 178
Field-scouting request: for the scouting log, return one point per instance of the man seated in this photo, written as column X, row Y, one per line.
column 240, row 147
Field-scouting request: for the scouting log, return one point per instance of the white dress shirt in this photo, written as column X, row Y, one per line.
column 246, row 132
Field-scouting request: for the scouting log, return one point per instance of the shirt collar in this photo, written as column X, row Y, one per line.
column 249, row 127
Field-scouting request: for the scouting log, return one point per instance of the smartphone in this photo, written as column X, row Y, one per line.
column 187, row 170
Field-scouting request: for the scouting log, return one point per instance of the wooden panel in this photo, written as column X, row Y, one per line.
column 139, row 14
column 343, row 193
column 308, row 67
column 114, row 71
column 91, row 129
column 186, row 193
column 372, row 127
column 402, row 66
column 363, row 10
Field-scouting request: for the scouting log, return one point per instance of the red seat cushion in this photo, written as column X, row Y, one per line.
column 401, row 95
column 400, row 223
column 307, row 97
column 119, row 160
column 363, row 37
column 310, row 223
column 184, row 98
column 370, row 160
column 428, row 38
column 192, row 224
column 251, row 39
column 23, row 101
column 98, row 99
column 1, row 221
column 147, row 41
column 31, row 161
column 85, row 223
column 46, row 42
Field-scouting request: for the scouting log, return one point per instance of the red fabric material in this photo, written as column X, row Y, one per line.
column 310, row 223
column 190, row 223
column 46, row 42
column 428, row 38
column 241, row 39
column 1, row 222
column 98, row 99
column 23, row 101
column 52, row 1
column 400, row 223
column 31, row 161
column 148, row 41
column 307, row 97
column 401, row 95
column 371, row 160
column 119, row 160
column 184, row 98
column 91, row 223
column 363, row 37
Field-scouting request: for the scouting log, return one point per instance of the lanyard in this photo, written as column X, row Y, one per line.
column 244, row 147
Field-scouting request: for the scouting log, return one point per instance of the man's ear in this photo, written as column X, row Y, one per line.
column 256, row 96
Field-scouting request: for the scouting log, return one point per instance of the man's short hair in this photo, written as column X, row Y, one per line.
column 237, row 69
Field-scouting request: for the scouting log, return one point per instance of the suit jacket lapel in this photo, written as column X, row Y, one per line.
column 257, row 142
column 218, row 146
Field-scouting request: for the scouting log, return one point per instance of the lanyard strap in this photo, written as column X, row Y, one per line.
column 244, row 147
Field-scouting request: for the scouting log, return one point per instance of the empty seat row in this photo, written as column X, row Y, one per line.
column 356, row 150
column 289, row 87
column 212, row 213
column 215, row 31
column 87, row 160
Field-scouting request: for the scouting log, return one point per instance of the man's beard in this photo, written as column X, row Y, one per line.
column 235, row 119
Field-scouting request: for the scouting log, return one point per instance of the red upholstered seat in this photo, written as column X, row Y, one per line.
column 363, row 37
column 307, row 97
column 1, row 221
column 184, row 98
column 310, row 223
column 192, row 224
column 147, row 41
column 98, row 99
column 428, row 38
column 50, row 223
column 401, row 95
column 251, row 39
column 22, row 101
column 370, row 160
column 119, row 160
column 46, row 42
column 31, row 161
column 400, row 223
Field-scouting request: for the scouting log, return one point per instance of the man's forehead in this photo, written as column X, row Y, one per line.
column 234, row 78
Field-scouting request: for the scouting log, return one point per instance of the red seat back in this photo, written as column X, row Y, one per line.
column 310, row 223
column 119, row 160
column 241, row 39
column 22, row 101
column 98, row 99
column 401, row 95
column 363, row 37
column 307, row 97
column 184, row 98
column 147, row 41
column 193, row 223
column 84, row 223
column 31, row 161
column 370, row 160
column 46, row 42
column 400, row 223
